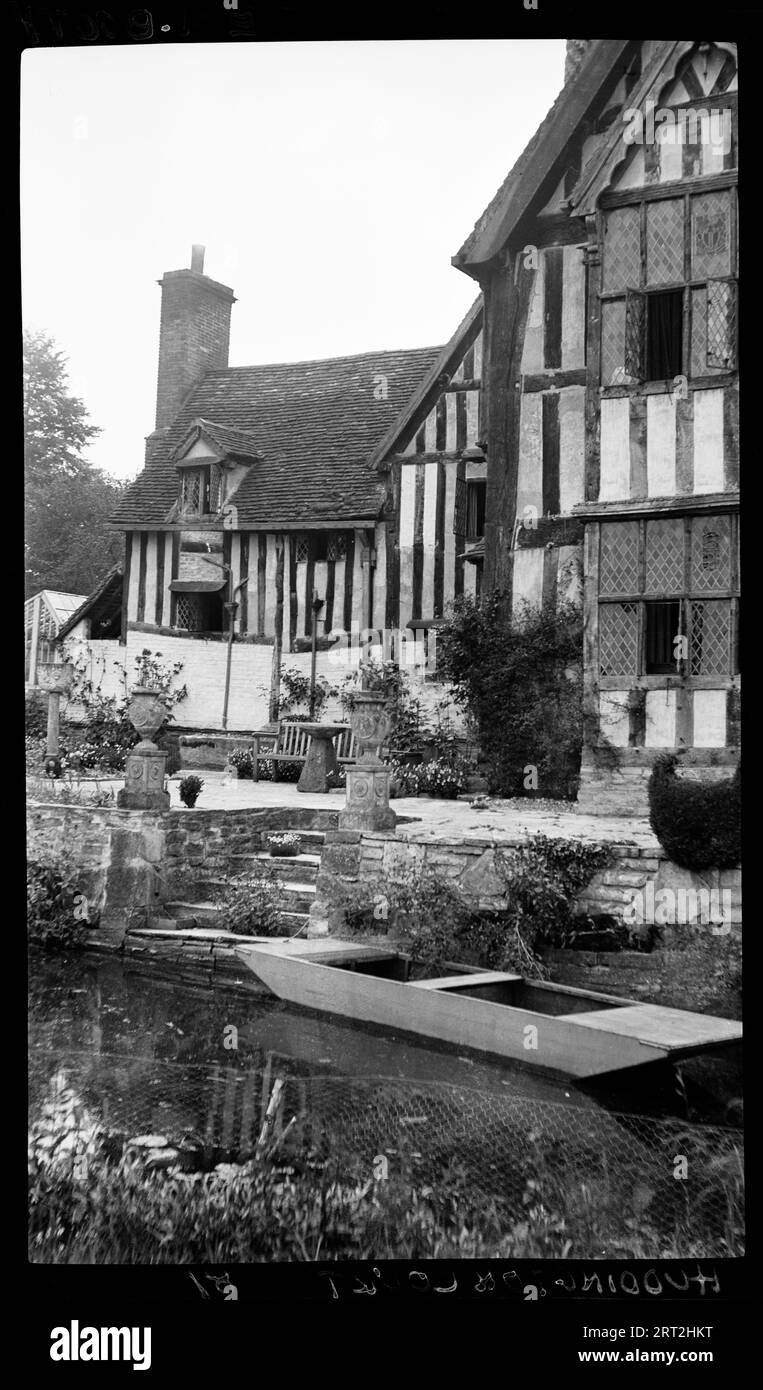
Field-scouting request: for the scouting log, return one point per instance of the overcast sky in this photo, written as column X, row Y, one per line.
column 330, row 183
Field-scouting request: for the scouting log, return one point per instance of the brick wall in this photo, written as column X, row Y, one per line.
column 194, row 336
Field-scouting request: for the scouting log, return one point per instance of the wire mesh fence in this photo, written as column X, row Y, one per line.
column 679, row 1186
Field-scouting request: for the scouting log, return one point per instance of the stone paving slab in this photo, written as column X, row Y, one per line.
column 429, row 818
column 426, row 818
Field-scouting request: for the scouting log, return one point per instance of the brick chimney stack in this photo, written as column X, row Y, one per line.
column 194, row 333
column 576, row 51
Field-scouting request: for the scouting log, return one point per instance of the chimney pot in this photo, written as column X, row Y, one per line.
column 197, row 259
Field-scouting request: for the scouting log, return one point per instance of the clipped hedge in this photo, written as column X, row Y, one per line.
column 698, row 824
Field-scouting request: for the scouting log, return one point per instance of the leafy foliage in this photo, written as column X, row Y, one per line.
column 519, row 678
column 189, row 789
column 439, row 777
column 108, row 732
column 57, row 912
column 250, row 905
column 68, row 545
column 699, row 825
column 428, row 911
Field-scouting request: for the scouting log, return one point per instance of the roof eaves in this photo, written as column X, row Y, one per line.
column 90, row 601
column 419, row 397
column 526, row 177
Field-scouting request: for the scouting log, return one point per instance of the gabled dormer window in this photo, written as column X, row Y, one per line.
column 199, row 491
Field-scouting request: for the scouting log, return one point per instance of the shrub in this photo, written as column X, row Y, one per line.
column 35, row 714
column 440, row 777
column 542, row 880
column 189, row 789
column 58, row 915
column 250, row 905
column 243, row 761
column 284, row 771
column 699, row 825
column 518, row 676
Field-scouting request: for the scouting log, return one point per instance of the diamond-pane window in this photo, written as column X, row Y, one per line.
column 192, row 491
column 618, row 560
column 710, row 235
column 635, row 334
column 189, row 613
column 711, row 554
column 340, row 545
column 618, row 639
column 459, row 508
column 302, row 550
column 710, row 628
column 622, row 249
column 612, row 341
column 721, row 323
column 665, row 241
column 664, row 556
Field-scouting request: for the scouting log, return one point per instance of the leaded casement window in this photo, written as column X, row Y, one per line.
column 476, row 491
column 669, row 289
column 317, row 546
column 200, row 491
column 668, row 598
column 198, row 612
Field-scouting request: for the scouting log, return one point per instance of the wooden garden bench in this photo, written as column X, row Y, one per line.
column 291, row 742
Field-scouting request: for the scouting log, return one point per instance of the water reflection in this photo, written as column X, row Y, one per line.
column 141, row 1054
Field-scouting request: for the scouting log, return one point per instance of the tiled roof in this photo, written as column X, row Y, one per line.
column 229, row 440
column 314, row 424
column 104, row 597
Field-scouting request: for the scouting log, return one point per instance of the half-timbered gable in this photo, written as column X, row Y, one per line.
column 436, row 476
column 608, row 265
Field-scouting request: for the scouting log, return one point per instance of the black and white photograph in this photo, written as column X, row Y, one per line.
column 382, row 658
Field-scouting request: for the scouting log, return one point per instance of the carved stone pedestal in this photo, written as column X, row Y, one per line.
column 144, row 779
column 367, row 802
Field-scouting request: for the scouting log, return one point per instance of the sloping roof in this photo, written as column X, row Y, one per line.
column 60, row 604
column 537, row 160
column 229, row 440
column 421, row 401
column 103, row 600
column 314, row 424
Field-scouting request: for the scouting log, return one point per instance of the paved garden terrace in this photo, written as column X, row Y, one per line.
column 433, row 818
column 424, row 817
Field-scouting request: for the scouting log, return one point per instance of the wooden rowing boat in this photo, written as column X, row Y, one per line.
column 574, row 1031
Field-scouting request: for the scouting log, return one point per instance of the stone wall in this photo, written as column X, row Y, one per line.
column 696, row 964
column 119, row 855
column 691, row 968
column 133, row 861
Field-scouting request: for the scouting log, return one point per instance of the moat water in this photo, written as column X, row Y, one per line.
column 148, row 1054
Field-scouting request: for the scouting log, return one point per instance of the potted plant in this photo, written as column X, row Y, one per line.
column 190, row 787
column 284, row 846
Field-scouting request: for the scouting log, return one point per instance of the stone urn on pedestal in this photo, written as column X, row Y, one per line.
column 145, row 763
column 54, row 677
column 367, row 802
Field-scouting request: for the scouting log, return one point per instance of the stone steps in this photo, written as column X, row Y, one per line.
column 295, row 894
column 203, row 914
column 293, row 876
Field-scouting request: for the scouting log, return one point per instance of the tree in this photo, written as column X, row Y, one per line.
column 67, row 501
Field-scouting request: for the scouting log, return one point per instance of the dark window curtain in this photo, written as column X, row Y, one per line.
column 664, row 329
column 662, row 626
